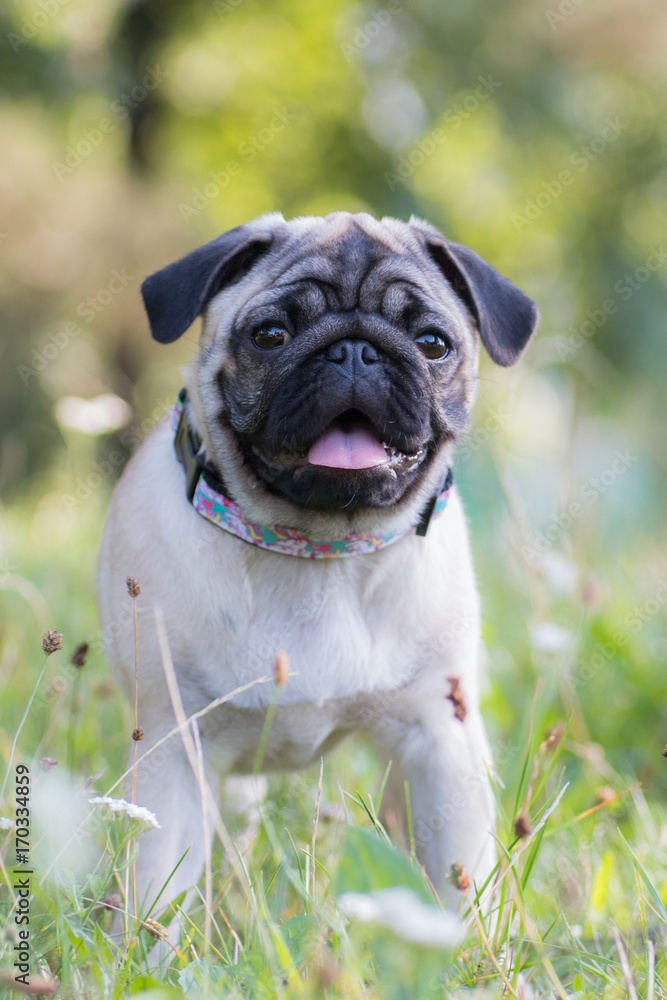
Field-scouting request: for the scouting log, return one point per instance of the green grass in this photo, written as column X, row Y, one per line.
column 578, row 905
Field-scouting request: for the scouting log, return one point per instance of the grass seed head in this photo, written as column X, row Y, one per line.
column 79, row 655
column 133, row 587
column 552, row 739
column 458, row 877
column 52, row 641
column 604, row 795
column 155, row 929
column 522, row 826
column 457, row 698
column 592, row 593
column 281, row 669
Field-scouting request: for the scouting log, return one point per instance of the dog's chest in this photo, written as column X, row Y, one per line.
column 344, row 626
column 350, row 626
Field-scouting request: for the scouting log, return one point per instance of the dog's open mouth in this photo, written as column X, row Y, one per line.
column 350, row 442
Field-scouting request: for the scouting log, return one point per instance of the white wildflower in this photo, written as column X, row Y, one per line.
column 402, row 911
column 130, row 809
column 93, row 416
column 549, row 638
column 5, row 823
column 559, row 572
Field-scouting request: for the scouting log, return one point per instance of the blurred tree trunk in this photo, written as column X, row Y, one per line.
column 143, row 27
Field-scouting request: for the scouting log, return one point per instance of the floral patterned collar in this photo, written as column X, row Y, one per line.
column 204, row 491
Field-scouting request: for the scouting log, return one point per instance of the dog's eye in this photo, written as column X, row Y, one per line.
column 433, row 345
column 267, row 338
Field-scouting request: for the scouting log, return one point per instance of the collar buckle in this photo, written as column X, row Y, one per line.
column 429, row 509
column 189, row 450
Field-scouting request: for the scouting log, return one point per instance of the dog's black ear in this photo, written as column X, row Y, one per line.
column 175, row 296
column 506, row 318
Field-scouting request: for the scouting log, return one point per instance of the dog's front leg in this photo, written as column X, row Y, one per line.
column 167, row 785
column 445, row 762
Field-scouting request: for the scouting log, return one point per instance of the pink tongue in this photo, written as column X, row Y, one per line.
column 354, row 449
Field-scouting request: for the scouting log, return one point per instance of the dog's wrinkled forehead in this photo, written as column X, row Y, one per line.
column 340, row 263
column 348, row 269
column 352, row 258
column 355, row 267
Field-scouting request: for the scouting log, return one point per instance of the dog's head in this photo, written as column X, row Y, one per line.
column 338, row 360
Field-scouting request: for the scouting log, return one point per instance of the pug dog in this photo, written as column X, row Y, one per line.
column 302, row 500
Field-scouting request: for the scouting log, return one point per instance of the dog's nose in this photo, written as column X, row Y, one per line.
column 352, row 355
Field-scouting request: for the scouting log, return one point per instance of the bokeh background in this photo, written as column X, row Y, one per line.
column 533, row 130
